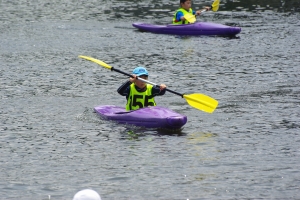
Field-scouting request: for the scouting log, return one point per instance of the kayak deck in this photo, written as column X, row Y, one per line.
column 149, row 117
column 198, row 28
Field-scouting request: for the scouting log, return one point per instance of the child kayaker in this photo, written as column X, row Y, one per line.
column 138, row 93
column 185, row 8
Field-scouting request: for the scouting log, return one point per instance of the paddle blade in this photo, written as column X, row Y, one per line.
column 201, row 102
column 215, row 5
column 99, row 62
column 190, row 18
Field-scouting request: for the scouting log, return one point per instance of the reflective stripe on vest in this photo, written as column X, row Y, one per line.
column 137, row 100
column 184, row 13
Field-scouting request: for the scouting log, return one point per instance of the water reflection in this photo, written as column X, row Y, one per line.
column 160, row 12
column 257, row 5
column 199, row 138
column 200, row 141
column 157, row 10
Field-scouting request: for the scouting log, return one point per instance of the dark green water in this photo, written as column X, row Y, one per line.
column 53, row 144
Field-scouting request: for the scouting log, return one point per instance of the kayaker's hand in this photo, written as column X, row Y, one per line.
column 132, row 80
column 198, row 12
column 207, row 8
column 162, row 87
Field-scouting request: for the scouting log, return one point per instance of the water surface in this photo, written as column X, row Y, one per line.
column 52, row 143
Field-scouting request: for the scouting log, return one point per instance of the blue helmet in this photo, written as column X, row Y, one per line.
column 139, row 71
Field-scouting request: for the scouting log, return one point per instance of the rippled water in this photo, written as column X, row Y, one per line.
column 52, row 143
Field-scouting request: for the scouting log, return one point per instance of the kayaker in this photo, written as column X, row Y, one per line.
column 138, row 93
column 185, row 8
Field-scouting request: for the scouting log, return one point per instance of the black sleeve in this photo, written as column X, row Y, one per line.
column 157, row 92
column 124, row 89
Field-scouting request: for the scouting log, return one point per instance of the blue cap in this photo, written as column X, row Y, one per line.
column 139, row 71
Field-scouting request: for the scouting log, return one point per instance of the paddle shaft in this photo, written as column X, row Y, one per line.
column 146, row 81
column 216, row 3
column 204, row 10
column 201, row 11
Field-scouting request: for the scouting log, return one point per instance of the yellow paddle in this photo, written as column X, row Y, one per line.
column 192, row 18
column 199, row 101
column 215, row 6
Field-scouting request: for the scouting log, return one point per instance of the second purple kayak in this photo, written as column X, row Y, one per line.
column 198, row 28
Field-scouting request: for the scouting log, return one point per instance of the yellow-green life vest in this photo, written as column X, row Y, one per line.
column 184, row 13
column 137, row 100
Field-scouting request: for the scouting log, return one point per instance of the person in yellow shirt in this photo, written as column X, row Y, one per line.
column 185, row 8
column 138, row 93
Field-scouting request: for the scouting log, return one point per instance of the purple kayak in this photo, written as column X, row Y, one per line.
column 198, row 28
column 149, row 117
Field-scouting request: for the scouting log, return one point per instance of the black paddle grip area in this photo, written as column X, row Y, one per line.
column 174, row 92
column 113, row 69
